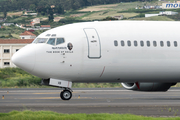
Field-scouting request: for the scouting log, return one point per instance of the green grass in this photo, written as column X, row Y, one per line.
column 155, row 18
column 128, row 5
column 97, row 85
column 17, row 78
column 128, row 10
column 48, row 115
column 15, row 32
column 16, row 36
column 19, row 19
column 11, row 29
column 132, row 10
column 175, row 17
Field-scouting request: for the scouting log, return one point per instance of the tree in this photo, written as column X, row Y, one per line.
column 41, row 9
column 11, row 5
column 50, row 12
column 51, row 17
column 32, row 7
column 85, row 3
column 58, row 9
column 10, row 35
column 76, row 4
column 90, row 1
column 66, row 4
column 5, row 13
column 42, row 3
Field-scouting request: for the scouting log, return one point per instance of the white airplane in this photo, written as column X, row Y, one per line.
column 143, row 55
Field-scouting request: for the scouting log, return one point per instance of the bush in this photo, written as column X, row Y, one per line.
column 109, row 18
column 69, row 20
column 2, row 36
column 16, row 77
column 13, row 77
column 174, row 17
column 141, row 11
column 140, row 15
column 105, row 12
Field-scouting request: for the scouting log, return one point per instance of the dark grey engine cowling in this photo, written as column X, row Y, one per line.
column 148, row 86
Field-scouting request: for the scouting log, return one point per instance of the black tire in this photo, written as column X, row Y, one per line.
column 66, row 95
column 61, row 95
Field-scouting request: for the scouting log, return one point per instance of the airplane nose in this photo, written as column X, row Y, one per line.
column 24, row 58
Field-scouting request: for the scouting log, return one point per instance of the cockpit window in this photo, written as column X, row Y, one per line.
column 51, row 41
column 40, row 40
column 53, row 35
column 59, row 41
column 48, row 35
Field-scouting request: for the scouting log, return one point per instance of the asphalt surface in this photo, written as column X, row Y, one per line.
column 93, row 101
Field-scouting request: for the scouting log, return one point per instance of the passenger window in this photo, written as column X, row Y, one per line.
column 135, row 43
column 175, row 43
column 161, row 43
column 122, row 43
column 59, row 41
column 142, row 43
column 154, row 43
column 115, row 43
column 148, row 43
column 168, row 44
column 129, row 43
column 51, row 41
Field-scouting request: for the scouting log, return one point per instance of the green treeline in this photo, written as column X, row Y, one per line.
column 45, row 6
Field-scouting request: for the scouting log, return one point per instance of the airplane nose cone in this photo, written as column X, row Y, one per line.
column 24, row 58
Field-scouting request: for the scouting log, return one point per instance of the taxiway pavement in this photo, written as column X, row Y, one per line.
column 102, row 100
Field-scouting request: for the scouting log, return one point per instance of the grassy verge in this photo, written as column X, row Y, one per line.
column 13, row 30
column 48, row 115
column 17, row 78
column 155, row 18
column 174, row 17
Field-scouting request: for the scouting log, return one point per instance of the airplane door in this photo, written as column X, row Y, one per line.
column 94, row 45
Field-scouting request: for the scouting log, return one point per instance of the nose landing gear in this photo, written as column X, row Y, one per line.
column 66, row 94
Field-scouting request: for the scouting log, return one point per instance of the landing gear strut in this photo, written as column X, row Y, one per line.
column 66, row 94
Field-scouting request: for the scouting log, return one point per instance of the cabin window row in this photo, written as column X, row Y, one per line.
column 147, row 43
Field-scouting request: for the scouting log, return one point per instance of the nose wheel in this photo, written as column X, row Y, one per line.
column 66, row 94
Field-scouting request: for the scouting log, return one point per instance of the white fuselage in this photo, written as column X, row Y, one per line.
column 96, row 57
